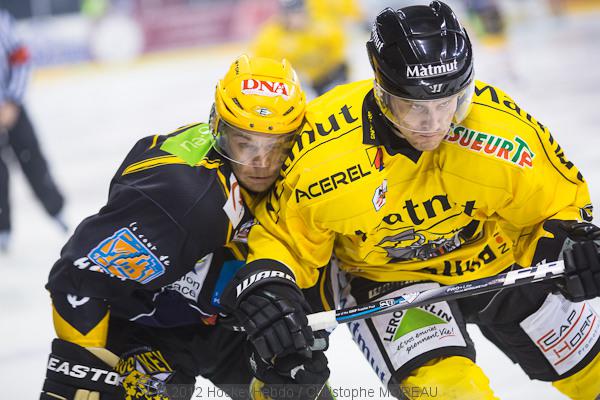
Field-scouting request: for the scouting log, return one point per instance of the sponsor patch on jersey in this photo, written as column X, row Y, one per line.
column 516, row 152
column 565, row 332
column 190, row 284
column 379, row 196
column 375, row 155
column 190, row 145
column 332, row 182
column 409, row 333
column 370, row 350
column 403, row 336
column 265, row 88
column 125, row 256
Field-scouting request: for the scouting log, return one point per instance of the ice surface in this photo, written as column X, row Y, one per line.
column 89, row 117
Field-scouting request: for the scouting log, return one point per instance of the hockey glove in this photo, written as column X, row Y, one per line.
column 73, row 372
column 265, row 299
column 581, row 255
column 79, row 373
column 299, row 376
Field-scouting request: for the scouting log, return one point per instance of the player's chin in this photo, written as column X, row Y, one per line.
column 427, row 143
column 258, row 183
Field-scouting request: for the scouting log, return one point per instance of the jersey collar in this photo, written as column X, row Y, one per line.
column 378, row 131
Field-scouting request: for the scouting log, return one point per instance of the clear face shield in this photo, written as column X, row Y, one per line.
column 424, row 117
column 252, row 149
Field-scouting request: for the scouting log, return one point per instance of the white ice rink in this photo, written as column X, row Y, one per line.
column 89, row 117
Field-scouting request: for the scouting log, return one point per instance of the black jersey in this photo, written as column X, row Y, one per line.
column 165, row 244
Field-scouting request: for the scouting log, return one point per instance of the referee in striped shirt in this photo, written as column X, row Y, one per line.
column 17, row 134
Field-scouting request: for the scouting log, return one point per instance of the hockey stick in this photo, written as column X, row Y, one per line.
column 542, row 272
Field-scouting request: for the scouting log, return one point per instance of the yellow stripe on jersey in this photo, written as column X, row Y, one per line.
column 154, row 140
column 167, row 160
column 96, row 337
column 151, row 163
column 223, row 181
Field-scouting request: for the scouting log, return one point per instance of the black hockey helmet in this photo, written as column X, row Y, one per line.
column 420, row 52
column 423, row 64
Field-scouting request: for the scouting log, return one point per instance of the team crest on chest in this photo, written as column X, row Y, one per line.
column 126, row 255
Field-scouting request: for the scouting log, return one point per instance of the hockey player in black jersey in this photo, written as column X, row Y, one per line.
column 135, row 293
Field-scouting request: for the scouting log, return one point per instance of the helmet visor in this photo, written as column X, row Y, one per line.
column 250, row 148
column 424, row 116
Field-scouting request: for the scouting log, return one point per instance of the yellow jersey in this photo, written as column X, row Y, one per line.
column 314, row 51
column 469, row 209
column 339, row 10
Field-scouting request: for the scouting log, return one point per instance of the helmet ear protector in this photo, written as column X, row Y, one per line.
column 259, row 107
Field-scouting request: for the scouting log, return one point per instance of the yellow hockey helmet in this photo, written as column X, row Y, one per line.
column 261, row 100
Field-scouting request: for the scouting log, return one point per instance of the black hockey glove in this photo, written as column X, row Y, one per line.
column 266, row 301
column 300, row 376
column 581, row 254
column 78, row 373
column 73, row 372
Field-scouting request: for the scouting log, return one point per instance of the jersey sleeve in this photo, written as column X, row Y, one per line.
column 522, row 176
column 290, row 235
column 552, row 191
column 133, row 243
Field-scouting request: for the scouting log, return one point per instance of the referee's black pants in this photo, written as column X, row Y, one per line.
column 22, row 141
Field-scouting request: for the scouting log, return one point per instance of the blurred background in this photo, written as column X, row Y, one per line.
column 106, row 73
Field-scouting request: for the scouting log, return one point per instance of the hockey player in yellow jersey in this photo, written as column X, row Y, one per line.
column 426, row 177
column 315, row 45
column 341, row 10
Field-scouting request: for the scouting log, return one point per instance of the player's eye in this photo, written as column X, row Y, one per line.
column 244, row 145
